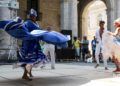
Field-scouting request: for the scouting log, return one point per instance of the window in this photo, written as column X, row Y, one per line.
column 35, row 5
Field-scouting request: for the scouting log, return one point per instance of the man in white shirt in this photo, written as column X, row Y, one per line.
column 49, row 51
column 98, row 36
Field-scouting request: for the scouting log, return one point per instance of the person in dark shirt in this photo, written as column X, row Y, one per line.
column 93, row 44
column 84, row 47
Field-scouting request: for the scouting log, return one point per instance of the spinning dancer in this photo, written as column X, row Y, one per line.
column 30, row 34
column 111, row 45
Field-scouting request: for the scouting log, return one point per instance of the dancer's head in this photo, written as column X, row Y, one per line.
column 84, row 37
column 101, row 24
column 117, row 22
column 33, row 15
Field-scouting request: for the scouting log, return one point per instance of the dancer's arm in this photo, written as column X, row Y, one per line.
column 111, row 33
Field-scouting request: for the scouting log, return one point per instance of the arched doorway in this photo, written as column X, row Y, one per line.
column 84, row 15
column 92, row 14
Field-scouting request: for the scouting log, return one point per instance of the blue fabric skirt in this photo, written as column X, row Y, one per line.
column 30, row 53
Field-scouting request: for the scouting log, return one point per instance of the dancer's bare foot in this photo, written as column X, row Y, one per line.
column 106, row 68
column 26, row 78
column 26, row 74
column 117, row 70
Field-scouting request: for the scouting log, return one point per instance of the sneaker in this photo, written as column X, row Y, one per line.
column 106, row 68
column 96, row 65
column 52, row 68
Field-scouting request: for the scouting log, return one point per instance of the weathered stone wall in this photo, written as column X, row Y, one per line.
column 50, row 10
column 7, row 43
column 22, row 12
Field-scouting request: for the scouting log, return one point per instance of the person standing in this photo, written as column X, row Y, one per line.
column 84, row 47
column 49, row 50
column 98, row 36
column 76, row 46
column 93, row 44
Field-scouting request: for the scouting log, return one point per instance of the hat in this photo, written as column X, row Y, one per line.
column 33, row 13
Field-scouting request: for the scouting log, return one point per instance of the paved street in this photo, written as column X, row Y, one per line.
column 65, row 74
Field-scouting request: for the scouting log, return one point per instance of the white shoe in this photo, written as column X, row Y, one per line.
column 52, row 68
column 96, row 65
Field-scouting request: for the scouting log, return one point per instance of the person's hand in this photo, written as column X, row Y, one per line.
column 110, row 33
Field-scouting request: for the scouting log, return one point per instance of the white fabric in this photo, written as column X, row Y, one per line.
column 97, row 36
column 110, row 46
column 37, row 32
column 98, row 47
column 49, row 50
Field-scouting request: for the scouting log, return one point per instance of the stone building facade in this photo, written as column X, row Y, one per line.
column 66, row 14
column 48, row 11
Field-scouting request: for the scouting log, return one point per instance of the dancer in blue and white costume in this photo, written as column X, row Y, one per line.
column 30, row 52
column 30, row 33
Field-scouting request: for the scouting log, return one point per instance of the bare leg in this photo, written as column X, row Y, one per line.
column 116, row 64
column 25, row 74
column 31, row 72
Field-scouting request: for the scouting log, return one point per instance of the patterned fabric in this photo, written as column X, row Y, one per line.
column 30, row 51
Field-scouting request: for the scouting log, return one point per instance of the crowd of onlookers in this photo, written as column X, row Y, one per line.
column 82, row 51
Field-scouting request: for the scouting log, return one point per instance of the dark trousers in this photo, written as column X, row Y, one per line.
column 84, row 51
column 93, row 54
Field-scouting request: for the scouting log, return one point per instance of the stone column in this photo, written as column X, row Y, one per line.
column 7, row 43
column 69, row 17
column 64, row 14
column 117, row 6
column 73, row 17
column 113, row 13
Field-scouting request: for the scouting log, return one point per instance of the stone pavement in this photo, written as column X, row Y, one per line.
column 65, row 74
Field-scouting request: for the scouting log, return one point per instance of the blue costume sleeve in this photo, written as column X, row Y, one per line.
column 3, row 23
column 31, row 25
column 22, row 31
column 16, row 29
